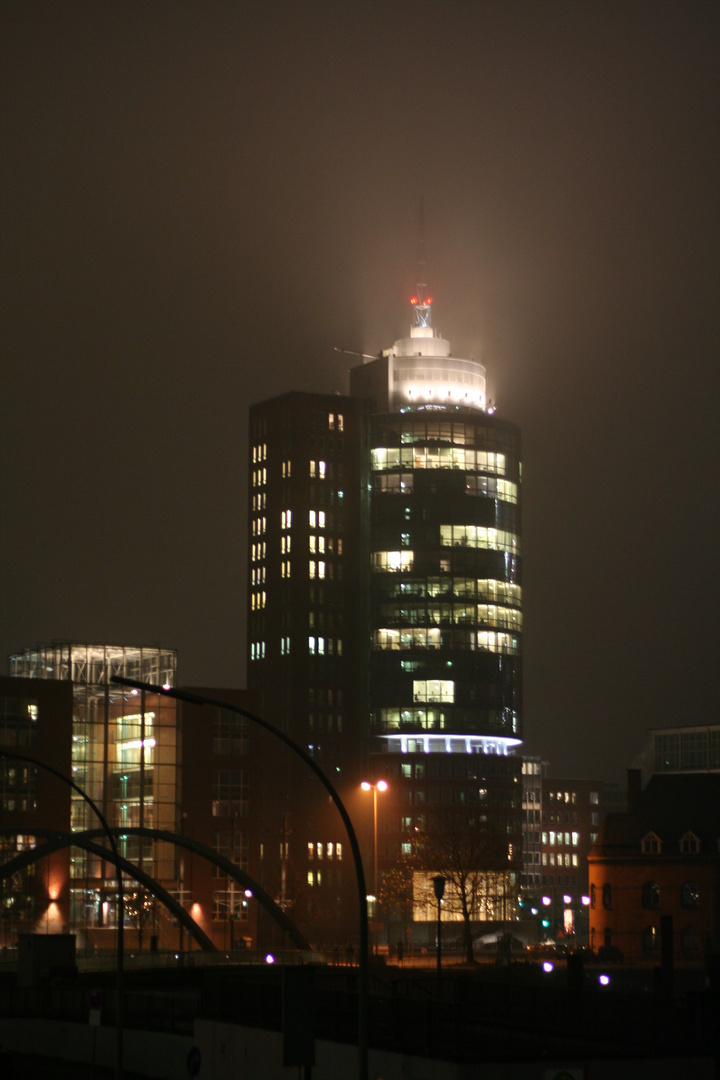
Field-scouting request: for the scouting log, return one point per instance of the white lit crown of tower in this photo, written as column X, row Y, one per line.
column 424, row 373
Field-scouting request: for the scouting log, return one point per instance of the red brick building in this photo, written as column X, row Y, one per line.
column 35, row 720
column 659, row 859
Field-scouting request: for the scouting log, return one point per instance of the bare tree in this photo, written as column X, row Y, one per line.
column 474, row 860
column 396, row 890
column 139, row 908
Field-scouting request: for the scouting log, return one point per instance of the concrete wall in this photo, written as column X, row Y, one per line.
column 150, row 1053
column 229, row 1052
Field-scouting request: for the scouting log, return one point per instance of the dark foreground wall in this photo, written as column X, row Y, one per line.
column 231, row 1052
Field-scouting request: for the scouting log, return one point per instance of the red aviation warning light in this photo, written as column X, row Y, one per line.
column 429, row 300
column 413, row 299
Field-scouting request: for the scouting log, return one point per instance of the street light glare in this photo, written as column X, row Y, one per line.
column 382, row 785
column 365, row 786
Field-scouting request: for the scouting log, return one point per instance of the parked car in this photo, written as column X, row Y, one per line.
column 589, row 955
column 610, row 954
column 542, row 950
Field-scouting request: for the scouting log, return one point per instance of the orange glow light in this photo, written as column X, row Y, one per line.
column 413, row 299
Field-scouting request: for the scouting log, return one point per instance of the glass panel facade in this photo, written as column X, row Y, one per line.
column 124, row 756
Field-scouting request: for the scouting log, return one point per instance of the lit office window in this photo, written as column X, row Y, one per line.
column 433, row 690
column 478, row 536
column 392, row 561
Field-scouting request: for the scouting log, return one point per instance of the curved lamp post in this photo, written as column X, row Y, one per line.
column 197, row 699
column 120, row 907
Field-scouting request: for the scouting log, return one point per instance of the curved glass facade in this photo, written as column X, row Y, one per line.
column 446, row 595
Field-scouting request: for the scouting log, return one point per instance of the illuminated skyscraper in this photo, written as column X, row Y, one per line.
column 445, row 622
column 385, row 589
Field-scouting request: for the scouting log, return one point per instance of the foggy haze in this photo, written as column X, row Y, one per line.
column 200, row 200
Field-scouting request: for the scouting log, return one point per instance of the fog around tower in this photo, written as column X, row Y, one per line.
column 200, row 202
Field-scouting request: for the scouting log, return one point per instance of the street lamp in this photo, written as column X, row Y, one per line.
column 379, row 785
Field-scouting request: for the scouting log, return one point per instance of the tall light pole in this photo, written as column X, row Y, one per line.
column 379, row 785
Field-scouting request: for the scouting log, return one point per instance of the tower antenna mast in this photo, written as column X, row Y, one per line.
column 421, row 302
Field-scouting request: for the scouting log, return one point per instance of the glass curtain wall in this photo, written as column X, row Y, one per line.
column 125, row 756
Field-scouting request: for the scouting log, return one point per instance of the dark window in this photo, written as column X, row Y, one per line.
column 18, row 786
column 229, row 793
column 229, row 733
column 233, row 845
column 607, row 895
column 592, row 896
column 689, row 895
column 690, row 941
column 18, row 722
column 651, row 895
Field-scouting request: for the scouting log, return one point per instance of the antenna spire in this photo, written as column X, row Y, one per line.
column 421, row 302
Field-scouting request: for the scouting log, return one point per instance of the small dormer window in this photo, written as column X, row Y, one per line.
column 651, row 844
column 689, row 844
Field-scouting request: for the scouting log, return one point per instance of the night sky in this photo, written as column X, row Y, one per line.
column 199, row 200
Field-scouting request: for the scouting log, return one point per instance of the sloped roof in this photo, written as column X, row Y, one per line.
column 669, row 806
